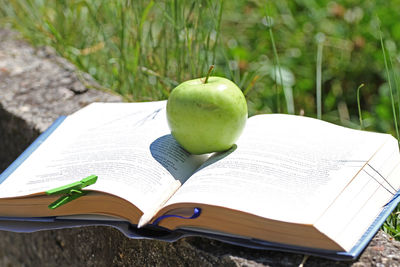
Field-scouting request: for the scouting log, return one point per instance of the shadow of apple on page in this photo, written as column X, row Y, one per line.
column 177, row 161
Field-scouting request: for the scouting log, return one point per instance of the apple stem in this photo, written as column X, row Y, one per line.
column 208, row 73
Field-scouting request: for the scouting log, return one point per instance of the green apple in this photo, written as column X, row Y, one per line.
column 207, row 114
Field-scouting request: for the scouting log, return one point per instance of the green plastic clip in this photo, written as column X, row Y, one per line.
column 70, row 191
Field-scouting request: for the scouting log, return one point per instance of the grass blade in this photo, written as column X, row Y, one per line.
column 390, row 84
column 359, row 106
column 276, row 57
column 320, row 45
column 395, row 81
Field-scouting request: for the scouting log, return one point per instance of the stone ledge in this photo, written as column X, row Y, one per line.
column 37, row 86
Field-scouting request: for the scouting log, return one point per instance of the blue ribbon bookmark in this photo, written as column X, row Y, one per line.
column 70, row 191
column 196, row 213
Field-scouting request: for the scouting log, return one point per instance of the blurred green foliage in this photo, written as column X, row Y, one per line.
column 349, row 33
column 142, row 49
column 139, row 49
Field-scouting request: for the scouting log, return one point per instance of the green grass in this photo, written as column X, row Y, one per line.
column 275, row 52
column 320, row 45
column 138, row 49
column 391, row 89
column 142, row 49
column 392, row 223
column 359, row 106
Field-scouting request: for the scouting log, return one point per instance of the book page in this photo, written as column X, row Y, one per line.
column 127, row 145
column 285, row 167
column 364, row 198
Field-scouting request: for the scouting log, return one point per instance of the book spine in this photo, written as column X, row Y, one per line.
column 4, row 175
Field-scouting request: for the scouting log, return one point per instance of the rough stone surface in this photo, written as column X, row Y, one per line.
column 36, row 87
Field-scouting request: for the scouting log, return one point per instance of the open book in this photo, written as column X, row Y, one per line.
column 290, row 181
